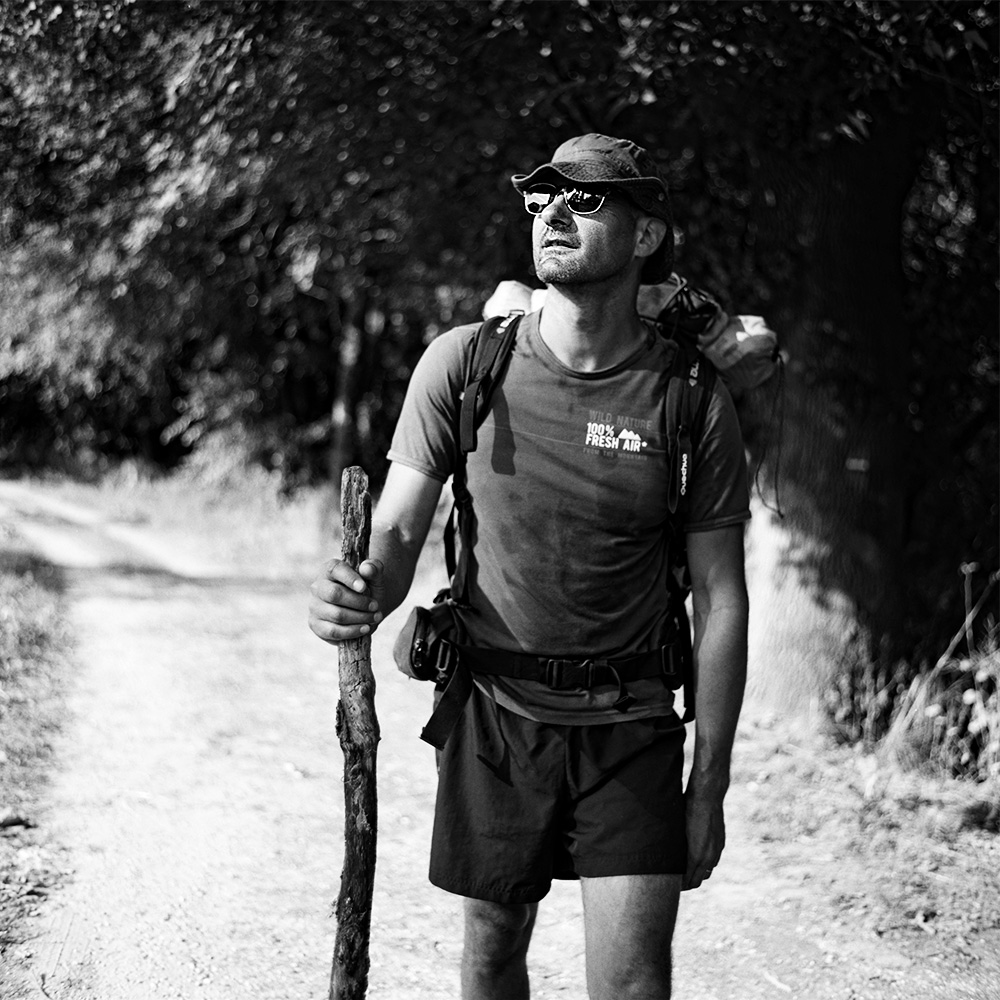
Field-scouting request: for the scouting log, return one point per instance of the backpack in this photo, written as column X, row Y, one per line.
column 432, row 641
column 689, row 390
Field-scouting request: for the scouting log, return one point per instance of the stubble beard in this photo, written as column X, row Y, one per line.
column 576, row 274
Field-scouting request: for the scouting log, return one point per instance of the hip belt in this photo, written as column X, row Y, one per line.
column 556, row 672
column 559, row 673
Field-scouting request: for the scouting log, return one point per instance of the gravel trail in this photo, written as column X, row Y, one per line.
column 198, row 805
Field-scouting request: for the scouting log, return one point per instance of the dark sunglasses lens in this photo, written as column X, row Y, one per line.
column 584, row 202
column 537, row 199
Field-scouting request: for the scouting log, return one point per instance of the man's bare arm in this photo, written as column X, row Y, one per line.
column 347, row 604
column 721, row 608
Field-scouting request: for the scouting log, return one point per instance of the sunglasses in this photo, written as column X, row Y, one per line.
column 579, row 202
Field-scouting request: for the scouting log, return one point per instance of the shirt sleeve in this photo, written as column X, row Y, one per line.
column 720, row 494
column 425, row 437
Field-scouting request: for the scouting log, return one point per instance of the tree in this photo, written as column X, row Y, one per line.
column 281, row 202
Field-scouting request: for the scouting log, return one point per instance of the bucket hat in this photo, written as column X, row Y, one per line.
column 620, row 165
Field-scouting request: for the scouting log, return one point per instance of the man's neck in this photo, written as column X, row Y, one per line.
column 590, row 329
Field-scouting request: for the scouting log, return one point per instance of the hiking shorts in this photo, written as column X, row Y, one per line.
column 520, row 803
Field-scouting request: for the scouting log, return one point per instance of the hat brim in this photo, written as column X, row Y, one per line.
column 581, row 172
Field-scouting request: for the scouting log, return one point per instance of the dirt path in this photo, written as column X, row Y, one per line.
column 197, row 807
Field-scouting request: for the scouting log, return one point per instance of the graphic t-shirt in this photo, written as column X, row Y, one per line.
column 569, row 492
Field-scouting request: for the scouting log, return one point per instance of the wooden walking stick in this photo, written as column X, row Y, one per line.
column 357, row 728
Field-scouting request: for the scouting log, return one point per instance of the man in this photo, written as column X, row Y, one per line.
column 540, row 778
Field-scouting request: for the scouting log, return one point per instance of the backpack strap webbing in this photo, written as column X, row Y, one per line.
column 689, row 391
column 490, row 353
column 491, row 350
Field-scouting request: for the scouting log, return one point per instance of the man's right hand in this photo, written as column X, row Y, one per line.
column 346, row 603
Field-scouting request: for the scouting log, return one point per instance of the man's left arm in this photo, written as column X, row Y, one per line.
column 721, row 608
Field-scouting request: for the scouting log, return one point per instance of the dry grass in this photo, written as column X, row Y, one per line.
column 950, row 716
column 33, row 673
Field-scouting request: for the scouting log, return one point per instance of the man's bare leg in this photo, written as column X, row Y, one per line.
column 495, row 956
column 629, row 923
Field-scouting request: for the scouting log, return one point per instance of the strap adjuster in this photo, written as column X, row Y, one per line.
column 668, row 662
column 561, row 674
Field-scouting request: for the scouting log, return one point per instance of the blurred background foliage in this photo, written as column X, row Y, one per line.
column 232, row 227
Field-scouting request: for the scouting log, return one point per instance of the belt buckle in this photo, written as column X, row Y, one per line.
column 561, row 674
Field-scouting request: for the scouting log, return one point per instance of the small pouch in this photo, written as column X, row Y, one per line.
column 425, row 647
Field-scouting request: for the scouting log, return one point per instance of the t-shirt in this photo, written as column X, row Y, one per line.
column 569, row 492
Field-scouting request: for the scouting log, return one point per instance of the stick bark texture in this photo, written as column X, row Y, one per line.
column 358, row 731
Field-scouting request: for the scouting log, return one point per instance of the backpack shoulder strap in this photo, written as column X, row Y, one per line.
column 690, row 382
column 490, row 354
column 491, row 350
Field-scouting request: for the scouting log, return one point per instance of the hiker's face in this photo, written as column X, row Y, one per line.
column 571, row 249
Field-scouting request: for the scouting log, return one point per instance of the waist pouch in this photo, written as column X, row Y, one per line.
column 427, row 645
column 432, row 646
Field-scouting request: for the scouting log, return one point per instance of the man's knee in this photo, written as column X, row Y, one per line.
column 649, row 979
column 497, row 932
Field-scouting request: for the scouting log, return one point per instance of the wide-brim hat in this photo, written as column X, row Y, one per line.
column 603, row 161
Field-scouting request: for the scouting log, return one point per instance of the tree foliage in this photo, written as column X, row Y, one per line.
column 263, row 210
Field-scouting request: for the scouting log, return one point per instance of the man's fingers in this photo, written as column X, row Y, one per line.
column 703, row 857
column 336, row 634
column 338, row 614
column 341, row 584
column 343, row 606
column 696, row 876
column 706, row 835
column 335, row 623
column 330, row 598
column 338, row 571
